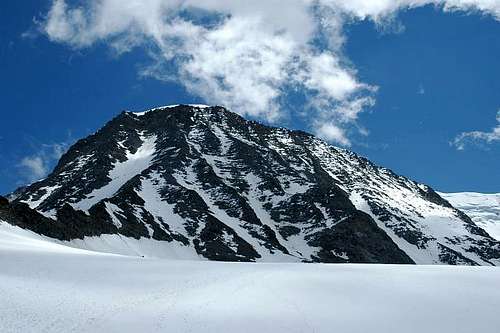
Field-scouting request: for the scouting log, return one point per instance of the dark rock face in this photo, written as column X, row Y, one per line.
column 21, row 215
column 359, row 238
column 70, row 224
column 235, row 190
column 4, row 203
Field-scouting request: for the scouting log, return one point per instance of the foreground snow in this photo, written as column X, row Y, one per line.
column 54, row 288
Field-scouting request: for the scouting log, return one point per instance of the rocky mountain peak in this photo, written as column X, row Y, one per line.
column 201, row 181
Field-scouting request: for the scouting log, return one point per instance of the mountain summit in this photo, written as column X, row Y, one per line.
column 193, row 181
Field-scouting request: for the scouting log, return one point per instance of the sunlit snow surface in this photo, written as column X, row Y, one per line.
column 134, row 164
column 47, row 287
column 483, row 209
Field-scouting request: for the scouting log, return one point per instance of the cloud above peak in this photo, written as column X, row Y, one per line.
column 247, row 55
column 37, row 165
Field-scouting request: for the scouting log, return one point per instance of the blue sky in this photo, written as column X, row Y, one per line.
column 423, row 78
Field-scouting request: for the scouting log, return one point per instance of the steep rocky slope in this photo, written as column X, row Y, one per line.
column 204, row 179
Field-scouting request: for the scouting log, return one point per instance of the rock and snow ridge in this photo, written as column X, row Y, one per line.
column 205, row 183
column 165, row 107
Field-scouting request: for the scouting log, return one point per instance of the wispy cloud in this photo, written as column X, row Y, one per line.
column 478, row 137
column 332, row 132
column 247, row 55
column 37, row 165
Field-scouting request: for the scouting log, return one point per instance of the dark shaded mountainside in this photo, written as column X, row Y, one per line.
column 204, row 182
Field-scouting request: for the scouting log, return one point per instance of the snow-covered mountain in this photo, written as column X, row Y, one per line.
column 202, row 182
column 483, row 209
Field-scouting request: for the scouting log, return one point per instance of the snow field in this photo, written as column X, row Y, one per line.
column 47, row 287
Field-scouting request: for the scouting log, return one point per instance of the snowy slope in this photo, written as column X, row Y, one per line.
column 483, row 209
column 229, row 189
column 14, row 237
column 45, row 287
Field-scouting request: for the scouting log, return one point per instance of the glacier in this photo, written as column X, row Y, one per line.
column 48, row 287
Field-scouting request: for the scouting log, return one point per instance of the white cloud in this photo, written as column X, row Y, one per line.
column 35, row 166
column 245, row 55
column 331, row 132
column 380, row 9
column 478, row 137
column 38, row 165
column 240, row 66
